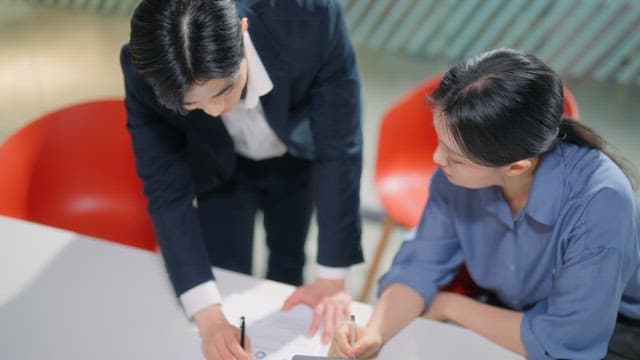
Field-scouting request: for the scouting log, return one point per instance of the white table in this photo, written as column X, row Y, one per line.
column 66, row 296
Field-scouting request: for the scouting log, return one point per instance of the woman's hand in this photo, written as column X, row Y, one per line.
column 367, row 342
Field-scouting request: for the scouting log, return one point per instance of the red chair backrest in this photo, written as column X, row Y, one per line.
column 406, row 144
column 74, row 169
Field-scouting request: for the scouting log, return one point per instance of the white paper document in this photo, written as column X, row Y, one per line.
column 274, row 334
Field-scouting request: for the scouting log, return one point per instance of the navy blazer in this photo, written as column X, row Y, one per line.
column 314, row 108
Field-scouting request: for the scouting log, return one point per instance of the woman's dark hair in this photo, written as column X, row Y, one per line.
column 177, row 43
column 503, row 106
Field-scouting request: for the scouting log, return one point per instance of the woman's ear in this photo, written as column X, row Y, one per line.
column 518, row 167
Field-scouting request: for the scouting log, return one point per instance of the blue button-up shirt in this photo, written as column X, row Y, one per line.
column 569, row 259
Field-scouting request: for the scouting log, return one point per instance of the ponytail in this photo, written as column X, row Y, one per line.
column 575, row 132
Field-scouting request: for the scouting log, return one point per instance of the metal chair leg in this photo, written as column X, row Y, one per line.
column 387, row 226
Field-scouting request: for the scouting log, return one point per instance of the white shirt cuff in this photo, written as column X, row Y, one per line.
column 333, row 273
column 199, row 297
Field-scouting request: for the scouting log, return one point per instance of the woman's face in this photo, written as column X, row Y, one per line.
column 457, row 168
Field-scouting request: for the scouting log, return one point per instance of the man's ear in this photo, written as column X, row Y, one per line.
column 244, row 25
column 518, row 167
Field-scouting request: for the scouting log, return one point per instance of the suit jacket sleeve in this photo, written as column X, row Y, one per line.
column 162, row 163
column 336, row 127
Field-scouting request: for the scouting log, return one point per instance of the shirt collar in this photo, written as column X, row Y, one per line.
column 258, row 81
column 545, row 196
column 547, row 189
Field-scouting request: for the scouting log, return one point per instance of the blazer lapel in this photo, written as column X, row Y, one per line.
column 276, row 103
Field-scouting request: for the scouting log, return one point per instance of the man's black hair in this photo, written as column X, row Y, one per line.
column 176, row 44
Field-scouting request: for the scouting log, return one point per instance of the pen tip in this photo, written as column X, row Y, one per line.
column 353, row 317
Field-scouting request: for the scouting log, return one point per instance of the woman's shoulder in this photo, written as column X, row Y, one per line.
column 600, row 199
column 589, row 172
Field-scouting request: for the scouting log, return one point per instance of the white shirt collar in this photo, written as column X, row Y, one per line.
column 258, row 81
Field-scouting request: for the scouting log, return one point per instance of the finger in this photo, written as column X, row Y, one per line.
column 211, row 352
column 235, row 349
column 369, row 353
column 315, row 322
column 338, row 352
column 223, row 342
column 335, row 352
column 364, row 347
column 343, row 335
column 346, row 309
column 215, row 348
column 224, row 352
column 340, row 317
column 292, row 300
column 359, row 347
column 358, row 351
column 329, row 322
column 339, row 345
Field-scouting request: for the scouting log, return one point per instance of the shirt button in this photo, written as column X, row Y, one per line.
column 512, row 267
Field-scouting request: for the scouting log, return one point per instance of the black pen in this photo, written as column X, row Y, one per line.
column 352, row 332
column 242, row 331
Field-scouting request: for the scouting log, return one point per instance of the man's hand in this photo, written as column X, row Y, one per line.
column 220, row 340
column 330, row 304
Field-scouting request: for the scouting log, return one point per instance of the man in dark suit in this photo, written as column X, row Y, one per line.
column 239, row 107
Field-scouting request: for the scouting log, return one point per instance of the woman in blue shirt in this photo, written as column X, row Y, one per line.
column 542, row 216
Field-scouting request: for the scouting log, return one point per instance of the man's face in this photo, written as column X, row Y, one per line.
column 217, row 96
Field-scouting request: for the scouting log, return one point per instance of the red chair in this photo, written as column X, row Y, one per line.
column 404, row 166
column 74, row 169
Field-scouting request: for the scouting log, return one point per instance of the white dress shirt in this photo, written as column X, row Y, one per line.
column 252, row 136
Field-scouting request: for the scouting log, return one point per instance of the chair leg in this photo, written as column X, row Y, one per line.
column 387, row 226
